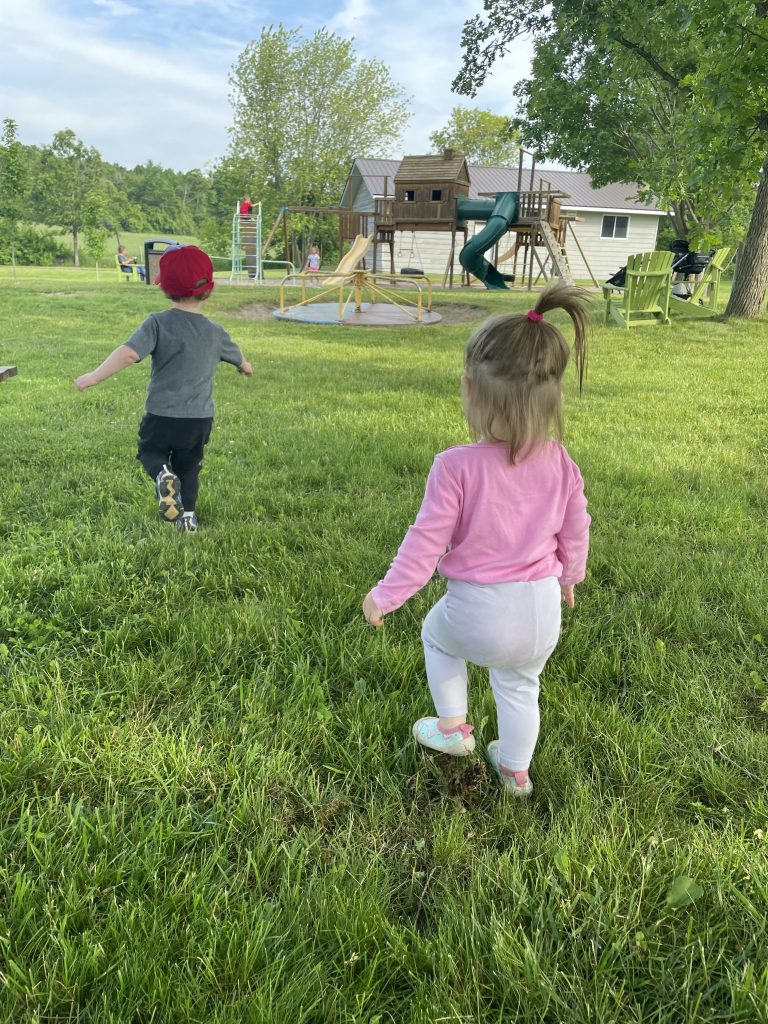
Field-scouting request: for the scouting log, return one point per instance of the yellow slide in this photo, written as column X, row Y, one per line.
column 349, row 261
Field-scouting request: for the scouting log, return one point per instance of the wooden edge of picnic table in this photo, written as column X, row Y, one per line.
column 7, row 371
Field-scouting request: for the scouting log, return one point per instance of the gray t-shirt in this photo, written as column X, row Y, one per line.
column 186, row 348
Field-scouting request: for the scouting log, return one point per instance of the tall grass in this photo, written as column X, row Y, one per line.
column 212, row 810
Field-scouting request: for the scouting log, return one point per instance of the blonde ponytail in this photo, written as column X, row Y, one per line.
column 516, row 362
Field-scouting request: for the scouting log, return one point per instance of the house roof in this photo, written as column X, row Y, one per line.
column 444, row 167
column 617, row 197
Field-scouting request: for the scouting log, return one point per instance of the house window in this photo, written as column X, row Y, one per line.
column 615, row 227
column 437, row 195
column 409, row 195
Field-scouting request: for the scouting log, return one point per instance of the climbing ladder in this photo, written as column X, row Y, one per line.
column 246, row 246
column 556, row 253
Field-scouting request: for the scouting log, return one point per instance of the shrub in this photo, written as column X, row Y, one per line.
column 34, row 247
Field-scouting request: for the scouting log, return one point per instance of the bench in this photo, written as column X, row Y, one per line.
column 7, row 371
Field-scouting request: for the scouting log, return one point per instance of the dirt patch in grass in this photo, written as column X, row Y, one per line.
column 67, row 295
column 254, row 311
column 461, row 313
column 457, row 313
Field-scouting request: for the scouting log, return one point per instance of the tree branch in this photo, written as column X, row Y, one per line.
column 648, row 58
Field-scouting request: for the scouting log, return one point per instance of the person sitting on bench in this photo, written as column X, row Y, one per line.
column 126, row 262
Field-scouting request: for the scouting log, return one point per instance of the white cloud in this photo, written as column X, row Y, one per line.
column 117, row 8
column 422, row 46
column 125, row 79
column 133, row 101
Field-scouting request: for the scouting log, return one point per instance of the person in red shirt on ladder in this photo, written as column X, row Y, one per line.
column 248, row 235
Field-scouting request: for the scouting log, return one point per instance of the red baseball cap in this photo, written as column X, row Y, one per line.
column 185, row 271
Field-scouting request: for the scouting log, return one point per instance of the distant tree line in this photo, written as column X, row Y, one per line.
column 66, row 185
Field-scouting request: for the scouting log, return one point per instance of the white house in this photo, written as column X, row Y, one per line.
column 609, row 223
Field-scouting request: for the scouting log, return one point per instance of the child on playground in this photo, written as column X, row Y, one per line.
column 312, row 266
column 505, row 519
column 186, row 347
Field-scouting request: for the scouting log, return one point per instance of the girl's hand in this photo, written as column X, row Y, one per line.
column 85, row 381
column 246, row 368
column 372, row 613
column 566, row 594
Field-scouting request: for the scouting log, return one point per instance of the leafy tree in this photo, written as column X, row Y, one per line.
column 121, row 211
column 12, row 184
column 483, row 137
column 34, row 247
column 215, row 236
column 303, row 109
column 231, row 178
column 155, row 189
column 71, row 173
column 697, row 71
column 603, row 112
column 94, row 223
column 196, row 195
column 67, row 184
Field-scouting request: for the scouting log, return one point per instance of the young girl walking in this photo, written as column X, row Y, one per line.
column 506, row 520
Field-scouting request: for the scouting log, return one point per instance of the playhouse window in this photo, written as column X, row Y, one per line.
column 409, row 195
column 615, row 227
column 437, row 195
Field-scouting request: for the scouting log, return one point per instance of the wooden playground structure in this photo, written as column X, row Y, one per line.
column 429, row 193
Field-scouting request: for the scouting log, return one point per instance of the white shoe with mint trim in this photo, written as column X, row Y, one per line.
column 458, row 741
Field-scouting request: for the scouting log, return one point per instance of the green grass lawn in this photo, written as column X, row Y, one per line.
column 212, row 809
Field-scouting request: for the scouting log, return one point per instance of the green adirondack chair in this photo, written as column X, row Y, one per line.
column 645, row 296
column 703, row 300
column 126, row 272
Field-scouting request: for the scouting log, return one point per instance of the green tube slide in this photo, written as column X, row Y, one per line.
column 500, row 214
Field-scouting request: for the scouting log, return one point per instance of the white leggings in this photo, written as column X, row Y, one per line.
column 511, row 629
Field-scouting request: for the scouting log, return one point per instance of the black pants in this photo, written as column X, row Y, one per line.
column 178, row 444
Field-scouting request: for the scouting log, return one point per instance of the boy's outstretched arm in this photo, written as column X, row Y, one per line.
column 118, row 360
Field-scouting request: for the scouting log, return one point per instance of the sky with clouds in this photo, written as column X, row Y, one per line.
column 144, row 80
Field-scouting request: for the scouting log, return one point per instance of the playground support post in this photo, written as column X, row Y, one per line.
column 581, row 252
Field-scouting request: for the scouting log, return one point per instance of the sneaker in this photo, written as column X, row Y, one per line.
column 187, row 523
column 518, row 783
column 458, row 741
column 168, row 487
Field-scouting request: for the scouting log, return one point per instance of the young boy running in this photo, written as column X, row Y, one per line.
column 186, row 347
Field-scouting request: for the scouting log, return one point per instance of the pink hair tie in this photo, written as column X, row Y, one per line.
column 533, row 315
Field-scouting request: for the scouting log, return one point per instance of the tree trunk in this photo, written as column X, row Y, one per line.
column 75, row 249
column 677, row 218
column 750, row 281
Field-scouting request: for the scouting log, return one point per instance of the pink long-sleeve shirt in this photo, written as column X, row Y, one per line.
column 486, row 521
